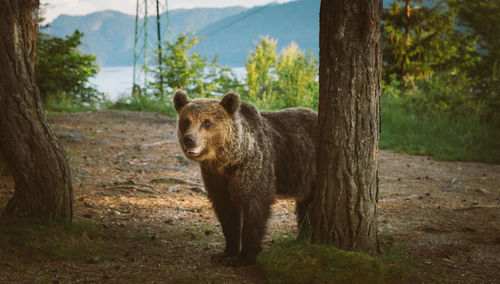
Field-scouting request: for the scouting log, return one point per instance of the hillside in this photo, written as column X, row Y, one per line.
column 233, row 37
column 110, row 34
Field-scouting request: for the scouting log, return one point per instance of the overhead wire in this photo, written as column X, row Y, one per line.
column 238, row 20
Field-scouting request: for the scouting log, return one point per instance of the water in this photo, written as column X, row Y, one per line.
column 116, row 82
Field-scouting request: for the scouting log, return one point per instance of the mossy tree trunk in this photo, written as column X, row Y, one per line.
column 36, row 157
column 345, row 203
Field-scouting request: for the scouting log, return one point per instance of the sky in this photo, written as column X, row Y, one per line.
column 82, row 7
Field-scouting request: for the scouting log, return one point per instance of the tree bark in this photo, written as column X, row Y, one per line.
column 345, row 202
column 36, row 157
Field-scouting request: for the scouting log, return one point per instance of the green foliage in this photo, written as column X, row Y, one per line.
column 77, row 241
column 482, row 18
column 62, row 71
column 446, row 93
column 289, row 80
column 420, row 41
column 297, row 78
column 299, row 262
column 182, row 69
column 260, row 64
column 435, row 119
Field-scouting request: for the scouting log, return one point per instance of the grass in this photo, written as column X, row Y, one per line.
column 143, row 103
column 78, row 241
column 63, row 104
column 291, row 261
column 438, row 135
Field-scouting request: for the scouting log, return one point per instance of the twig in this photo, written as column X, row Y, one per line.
column 476, row 207
column 146, row 146
column 175, row 180
column 128, row 186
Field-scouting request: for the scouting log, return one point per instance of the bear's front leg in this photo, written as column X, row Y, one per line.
column 230, row 219
column 255, row 216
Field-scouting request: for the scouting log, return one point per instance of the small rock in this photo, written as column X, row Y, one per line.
column 454, row 187
column 181, row 159
column 482, row 190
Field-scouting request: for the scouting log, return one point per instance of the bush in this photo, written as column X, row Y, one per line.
column 190, row 71
column 61, row 68
column 290, row 80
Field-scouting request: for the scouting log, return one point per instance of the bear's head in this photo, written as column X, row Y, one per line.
column 206, row 126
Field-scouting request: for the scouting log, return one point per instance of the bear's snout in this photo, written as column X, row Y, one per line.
column 189, row 141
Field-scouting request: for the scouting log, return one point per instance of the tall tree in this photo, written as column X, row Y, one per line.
column 36, row 157
column 344, row 211
column 482, row 18
column 420, row 41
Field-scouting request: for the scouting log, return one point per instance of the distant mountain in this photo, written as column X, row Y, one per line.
column 228, row 32
column 110, row 34
column 233, row 37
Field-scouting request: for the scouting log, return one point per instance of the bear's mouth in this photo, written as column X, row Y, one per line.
column 195, row 151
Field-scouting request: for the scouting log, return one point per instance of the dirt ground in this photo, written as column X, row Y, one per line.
column 132, row 180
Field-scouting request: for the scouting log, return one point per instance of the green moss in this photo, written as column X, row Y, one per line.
column 300, row 262
column 77, row 241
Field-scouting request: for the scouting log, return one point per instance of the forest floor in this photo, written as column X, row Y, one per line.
column 146, row 199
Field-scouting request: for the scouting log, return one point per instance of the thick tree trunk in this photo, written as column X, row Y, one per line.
column 35, row 155
column 345, row 204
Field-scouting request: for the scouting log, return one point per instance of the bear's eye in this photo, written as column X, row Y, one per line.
column 206, row 124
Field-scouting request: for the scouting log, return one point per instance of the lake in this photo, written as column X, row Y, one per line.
column 116, row 82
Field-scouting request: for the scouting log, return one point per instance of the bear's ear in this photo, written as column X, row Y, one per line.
column 180, row 100
column 231, row 103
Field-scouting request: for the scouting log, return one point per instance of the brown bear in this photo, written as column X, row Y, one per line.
column 246, row 157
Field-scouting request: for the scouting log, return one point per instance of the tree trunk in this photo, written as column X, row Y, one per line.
column 35, row 155
column 345, row 203
column 407, row 23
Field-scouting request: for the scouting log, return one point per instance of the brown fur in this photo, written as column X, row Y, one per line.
column 247, row 157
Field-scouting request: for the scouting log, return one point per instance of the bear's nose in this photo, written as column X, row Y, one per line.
column 189, row 141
